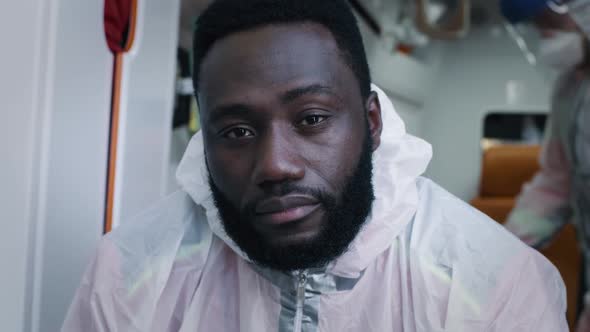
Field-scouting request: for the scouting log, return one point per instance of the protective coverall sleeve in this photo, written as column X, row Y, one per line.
column 90, row 310
column 537, row 300
column 543, row 207
column 144, row 272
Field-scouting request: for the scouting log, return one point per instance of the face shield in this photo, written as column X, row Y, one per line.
column 549, row 32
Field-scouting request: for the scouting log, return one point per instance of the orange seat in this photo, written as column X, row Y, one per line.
column 496, row 208
column 505, row 169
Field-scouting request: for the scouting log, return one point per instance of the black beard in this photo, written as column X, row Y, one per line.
column 343, row 220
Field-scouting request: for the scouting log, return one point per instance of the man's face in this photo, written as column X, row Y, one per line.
column 288, row 141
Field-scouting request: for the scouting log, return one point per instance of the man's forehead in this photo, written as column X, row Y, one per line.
column 272, row 56
column 280, row 35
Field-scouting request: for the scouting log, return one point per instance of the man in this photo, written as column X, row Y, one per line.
column 560, row 192
column 302, row 208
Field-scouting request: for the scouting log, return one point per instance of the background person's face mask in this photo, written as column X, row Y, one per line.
column 579, row 10
column 564, row 50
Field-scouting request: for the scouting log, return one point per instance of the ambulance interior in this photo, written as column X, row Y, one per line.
column 97, row 108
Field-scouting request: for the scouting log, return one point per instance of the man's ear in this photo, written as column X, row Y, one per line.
column 373, row 109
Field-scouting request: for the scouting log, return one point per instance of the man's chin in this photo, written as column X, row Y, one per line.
column 296, row 250
column 298, row 233
column 292, row 241
column 288, row 251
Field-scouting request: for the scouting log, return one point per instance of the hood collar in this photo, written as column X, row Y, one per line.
column 397, row 163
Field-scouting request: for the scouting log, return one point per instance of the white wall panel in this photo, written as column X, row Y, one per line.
column 473, row 80
column 77, row 151
column 55, row 93
column 146, row 110
column 19, row 111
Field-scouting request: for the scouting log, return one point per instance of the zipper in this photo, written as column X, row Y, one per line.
column 301, row 283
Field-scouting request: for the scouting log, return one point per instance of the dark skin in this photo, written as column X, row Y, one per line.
column 279, row 106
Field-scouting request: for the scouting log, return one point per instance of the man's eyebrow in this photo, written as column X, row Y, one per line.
column 313, row 89
column 236, row 110
column 242, row 110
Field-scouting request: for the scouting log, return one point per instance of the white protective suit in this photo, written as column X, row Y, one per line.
column 424, row 261
column 560, row 192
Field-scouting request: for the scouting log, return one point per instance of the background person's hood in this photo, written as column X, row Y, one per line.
column 398, row 162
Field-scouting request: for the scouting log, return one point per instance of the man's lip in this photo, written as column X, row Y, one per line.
column 291, row 216
column 280, row 211
column 284, row 204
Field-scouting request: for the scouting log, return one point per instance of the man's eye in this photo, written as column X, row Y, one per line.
column 238, row 133
column 313, row 120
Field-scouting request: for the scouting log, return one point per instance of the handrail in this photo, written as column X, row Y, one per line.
column 115, row 114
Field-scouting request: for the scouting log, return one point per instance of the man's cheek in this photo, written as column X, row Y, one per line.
column 339, row 160
column 227, row 173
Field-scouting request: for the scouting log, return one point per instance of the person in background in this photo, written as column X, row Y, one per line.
column 560, row 192
column 302, row 207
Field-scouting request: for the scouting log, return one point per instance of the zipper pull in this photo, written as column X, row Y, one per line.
column 301, row 283
column 302, row 277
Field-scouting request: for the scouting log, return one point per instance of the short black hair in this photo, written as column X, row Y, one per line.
column 225, row 17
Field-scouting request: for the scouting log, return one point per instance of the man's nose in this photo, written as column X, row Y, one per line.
column 278, row 160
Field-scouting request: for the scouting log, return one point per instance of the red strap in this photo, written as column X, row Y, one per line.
column 117, row 14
